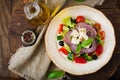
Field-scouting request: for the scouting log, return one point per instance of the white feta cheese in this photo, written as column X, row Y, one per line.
column 79, row 36
column 75, row 40
column 83, row 35
column 75, row 33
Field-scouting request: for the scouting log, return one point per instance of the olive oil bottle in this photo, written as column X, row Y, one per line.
column 37, row 13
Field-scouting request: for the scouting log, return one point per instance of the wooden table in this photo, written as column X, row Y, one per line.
column 110, row 8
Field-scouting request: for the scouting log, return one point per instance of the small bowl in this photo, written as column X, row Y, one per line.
column 28, row 38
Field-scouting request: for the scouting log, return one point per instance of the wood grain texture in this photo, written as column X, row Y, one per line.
column 5, row 15
column 109, row 4
column 5, row 7
column 8, row 7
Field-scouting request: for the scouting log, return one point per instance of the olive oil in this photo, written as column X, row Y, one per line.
column 37, row 13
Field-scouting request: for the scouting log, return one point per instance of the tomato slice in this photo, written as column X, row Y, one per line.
column 97, row 26
column 99, row 49
column 80, row 19
column 63, row 50
column 81, row 60
column 60, row 28
column 102, row 33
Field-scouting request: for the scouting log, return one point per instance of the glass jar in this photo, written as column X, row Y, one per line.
column 37, row 13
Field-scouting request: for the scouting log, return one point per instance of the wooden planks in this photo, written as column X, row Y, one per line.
column 109, row 4
column 5, row 14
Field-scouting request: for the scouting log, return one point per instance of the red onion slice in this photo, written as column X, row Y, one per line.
column 73, row 47
column 91, row 49
column 67, row 38
column 91, row 32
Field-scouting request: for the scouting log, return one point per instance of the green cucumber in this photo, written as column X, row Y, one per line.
column 60, row 37
column 70, row 56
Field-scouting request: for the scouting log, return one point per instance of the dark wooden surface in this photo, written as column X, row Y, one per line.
column 7, row 14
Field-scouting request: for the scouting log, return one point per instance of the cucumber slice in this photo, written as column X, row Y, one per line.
column 67, row 47
column 70, row 56
column 60, row 37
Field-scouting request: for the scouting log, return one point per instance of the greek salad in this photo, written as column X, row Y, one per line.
column 80, row 39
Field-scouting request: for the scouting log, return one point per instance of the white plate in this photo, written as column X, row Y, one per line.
column 62, row 62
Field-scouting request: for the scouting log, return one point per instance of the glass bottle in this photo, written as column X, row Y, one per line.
column 37, row 13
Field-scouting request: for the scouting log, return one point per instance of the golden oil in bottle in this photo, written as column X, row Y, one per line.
column 37, row 13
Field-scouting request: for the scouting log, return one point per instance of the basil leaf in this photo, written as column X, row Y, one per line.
column 87, row 42
column 70, row 56
column 55, row 74
column 78, row 48
column 87, row 57
column 80, row 0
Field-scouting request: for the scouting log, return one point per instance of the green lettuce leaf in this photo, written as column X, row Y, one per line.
column 55, row 74
column 67, row 21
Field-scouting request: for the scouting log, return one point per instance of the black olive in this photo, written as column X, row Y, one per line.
column 73, row 20
column 94, row 57
column 61, row 43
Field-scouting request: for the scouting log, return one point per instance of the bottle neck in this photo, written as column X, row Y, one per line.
column 32, row 9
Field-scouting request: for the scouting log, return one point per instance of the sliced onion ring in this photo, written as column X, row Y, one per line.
column 91, row 49
column 91, row 32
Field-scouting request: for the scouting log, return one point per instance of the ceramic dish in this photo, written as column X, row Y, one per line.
column 69, row 66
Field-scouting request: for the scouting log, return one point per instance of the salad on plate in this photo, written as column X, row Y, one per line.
column 80, row 39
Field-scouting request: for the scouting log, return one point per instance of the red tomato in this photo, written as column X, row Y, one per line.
column 97, row 26
column 80, row 60
column 80, row 19
column 99, row 49
column 102, row 33
column 60, row 28
column 63, row 50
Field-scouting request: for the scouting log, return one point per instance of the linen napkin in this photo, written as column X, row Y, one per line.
column 31, row 62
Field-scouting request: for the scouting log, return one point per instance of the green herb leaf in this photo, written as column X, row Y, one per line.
column 80, row 0
column 87, row 57
column 70, row 56
column 55, row 74
column 90, row 22
column 87, row 42
column 78, row 48
column 98, row 39
column 59, row 37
